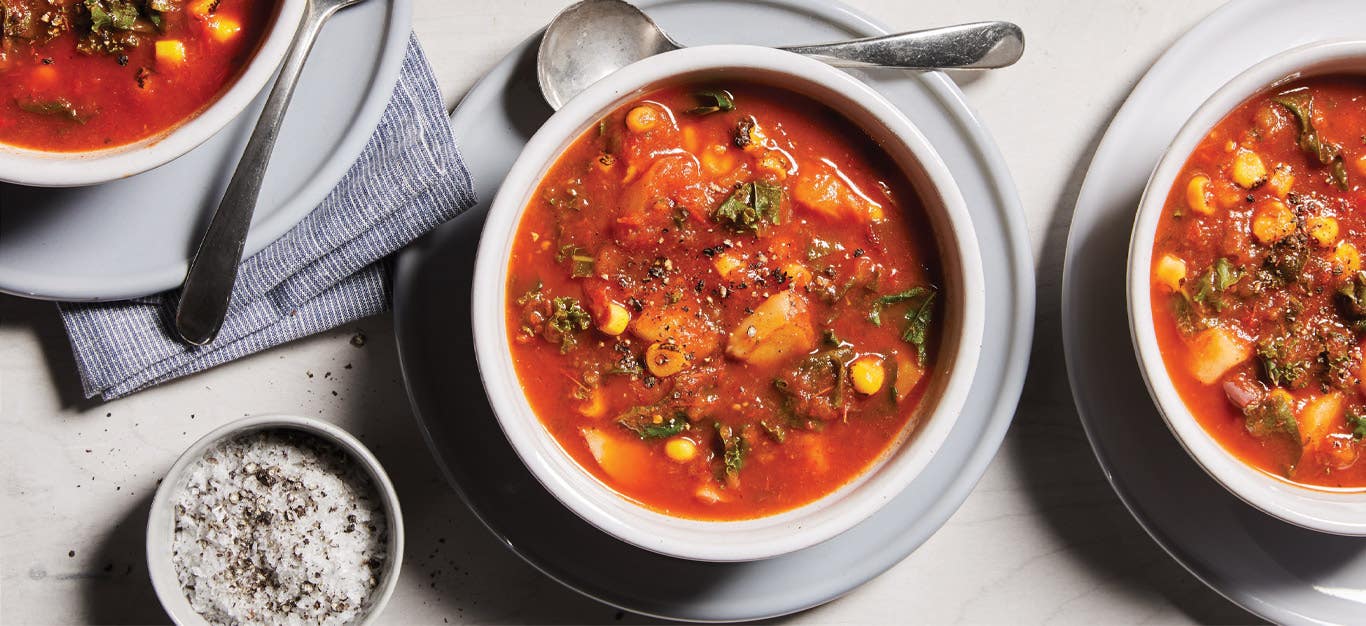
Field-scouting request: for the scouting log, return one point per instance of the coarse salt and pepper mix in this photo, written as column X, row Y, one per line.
column 279, row 527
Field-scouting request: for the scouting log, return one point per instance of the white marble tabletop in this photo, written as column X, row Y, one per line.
column 1041, row 539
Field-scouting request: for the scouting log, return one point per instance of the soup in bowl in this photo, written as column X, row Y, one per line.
column 1247, row 292
column 93, row 90
column 727, row 303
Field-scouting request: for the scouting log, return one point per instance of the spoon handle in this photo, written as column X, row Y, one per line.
column 980, row 45
column 207, row 290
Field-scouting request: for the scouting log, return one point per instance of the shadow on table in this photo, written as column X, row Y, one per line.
column 453, row 567
column 43, row 321
column 118, row 590
column 1050, row 451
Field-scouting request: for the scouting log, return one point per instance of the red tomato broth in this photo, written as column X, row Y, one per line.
column 1276, row 324
column 627, row 230
column 131, row 95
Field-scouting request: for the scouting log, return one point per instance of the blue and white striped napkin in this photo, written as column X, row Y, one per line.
column 328, row 270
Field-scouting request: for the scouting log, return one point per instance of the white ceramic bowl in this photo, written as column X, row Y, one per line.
column 73, row 169
column 161, row 518
column 779, row 534
column 1333, row 511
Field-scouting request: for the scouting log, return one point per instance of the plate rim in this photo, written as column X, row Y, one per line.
column 1011, row 214
column 30, row 284
column 1215, row 21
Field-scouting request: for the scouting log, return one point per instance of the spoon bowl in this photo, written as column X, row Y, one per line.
column 594, row 38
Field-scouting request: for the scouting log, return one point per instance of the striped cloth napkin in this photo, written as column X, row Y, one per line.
column 327, row 271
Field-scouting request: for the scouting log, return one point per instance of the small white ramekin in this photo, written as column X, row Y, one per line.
column 1339, row 512
column 765, row 537
column 73, row 169
column 161, row 518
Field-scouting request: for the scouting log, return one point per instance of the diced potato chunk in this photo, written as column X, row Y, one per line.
column 661, row 323
column 1272, row 222
column 827, row 194
column 908, row 373
column 1214, row 352
column 665, row 359
column 1198, row 195
column 624, row 461
column 224, row 28
column 1323, row 229
column 680, row 449
column 1170, row 272
column 1347, row 257
column 1248, row 171
column 1318, row 417
column 780, row 327
column 170, row 53
column 1280, row 181
column 867, row 374
column 616, row 321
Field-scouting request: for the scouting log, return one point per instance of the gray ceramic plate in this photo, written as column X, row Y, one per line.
column 432, row 305
column 1281, row 572
column 134, row 237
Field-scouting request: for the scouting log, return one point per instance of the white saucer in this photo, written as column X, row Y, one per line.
column 133, row 237
column 432, row 308
column 1281, row 572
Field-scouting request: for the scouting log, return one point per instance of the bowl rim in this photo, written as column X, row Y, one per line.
column 162, row 572
column 1340, row 512
column 40, row 168
column 767, row 536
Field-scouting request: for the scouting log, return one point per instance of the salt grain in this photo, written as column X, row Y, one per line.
column 278, row 527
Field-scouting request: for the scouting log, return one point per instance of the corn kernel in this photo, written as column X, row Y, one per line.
column 1272, row 222
column 1361, row 164
column 617, row 319
column 690, row 141
column 224, row 28
column 1170, row 271
column 757, row 138
column 1347, row 257
column 1283, row 395
column 1198, row 194
column 774, row 163
column 170, row 52
column 202, row 8
column 798, row 274
column 867, row 374
column 680, row 449
column 605, row 161
column 596, row 406
column 642, row 118
column 664, row 359
column 727, row 264
column 1280, row 181
column 1248, row 169
column 1323, row 229
column 1229, row 197
column 717, row 159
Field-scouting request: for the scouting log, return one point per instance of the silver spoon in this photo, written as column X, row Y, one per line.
column 207, row 290
column 594, row 38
